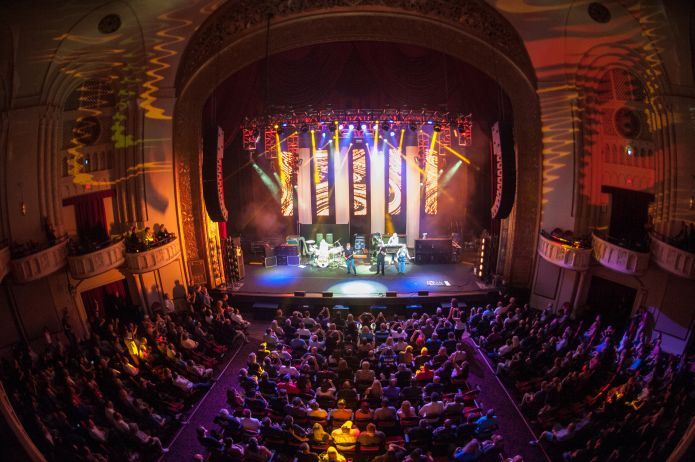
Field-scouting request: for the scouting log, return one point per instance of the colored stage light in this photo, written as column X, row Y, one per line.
column 364, row 127
column 376, row 127
column 429, row 122
column 323, row 135
column 437, row 128
column 351, row 127
column 276, row 126
column 393, row 133
column 340, row 127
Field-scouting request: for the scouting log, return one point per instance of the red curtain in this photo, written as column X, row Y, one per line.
column 90, row 214
column 100, row 301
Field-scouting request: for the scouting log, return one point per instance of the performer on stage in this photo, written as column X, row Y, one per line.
column 402, row 256
column 350, row 259
column 393, row 240
column 381, row 261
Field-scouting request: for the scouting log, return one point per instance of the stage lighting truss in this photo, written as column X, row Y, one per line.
column 360, row 122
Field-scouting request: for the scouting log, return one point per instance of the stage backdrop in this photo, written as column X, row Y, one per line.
column 357, row 75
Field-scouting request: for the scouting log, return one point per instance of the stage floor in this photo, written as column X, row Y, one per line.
column 285, row 280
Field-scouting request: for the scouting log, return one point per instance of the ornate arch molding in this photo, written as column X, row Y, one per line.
column 235, row 37
column 593, row 65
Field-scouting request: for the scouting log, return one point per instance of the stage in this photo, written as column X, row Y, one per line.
column 279, row 284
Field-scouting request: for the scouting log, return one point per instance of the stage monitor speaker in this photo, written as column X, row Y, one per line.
column 299, row 293
column 391, row 293
column 270, row 262
column 422, row 293
column 282, row 260
column 327, row 294
column 292, row 260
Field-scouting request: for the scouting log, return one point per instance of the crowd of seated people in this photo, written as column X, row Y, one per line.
column 147, row 238
column 332, row 388
column 120, row 393
column 597, row 394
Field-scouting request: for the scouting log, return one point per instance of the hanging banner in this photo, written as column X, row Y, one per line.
column 321, row 183
column 395, row 181
column 504, row 170
column 359, row 180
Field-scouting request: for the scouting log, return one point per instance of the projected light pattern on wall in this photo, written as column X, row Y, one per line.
column 429, row 150
column 321, row 182
column 395, row 181
column 359, row 181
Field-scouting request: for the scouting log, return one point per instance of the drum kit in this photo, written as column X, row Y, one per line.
column 324, row 256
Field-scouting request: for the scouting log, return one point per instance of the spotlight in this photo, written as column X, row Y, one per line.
column 412, row 127
column 351, row 127
column 437, row 128
column 323, row 135
column 393, row 133
column 276, row 126
column 376, row 126
column 340, row 127
column 364, row 127
column 629, row 150
column 284, row 124
column 304, row 128
column 429, row 122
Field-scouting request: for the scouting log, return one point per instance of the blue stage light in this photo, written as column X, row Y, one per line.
column 323, row 135
column 364, row 127
column 340, row 127
column 351, row 127
column 393, row 134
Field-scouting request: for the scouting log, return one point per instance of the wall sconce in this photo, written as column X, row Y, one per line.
column 22, row 204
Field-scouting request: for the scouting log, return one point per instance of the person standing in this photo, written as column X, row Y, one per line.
column 401, row 257
column 350, row 259
column 381, row 261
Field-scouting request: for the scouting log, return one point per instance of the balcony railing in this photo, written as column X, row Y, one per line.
column 619, row 258
column 563, row 255
column 672, row 259
column 154, row 258
column 4, row 262
column 40, row 264
column 95, row 263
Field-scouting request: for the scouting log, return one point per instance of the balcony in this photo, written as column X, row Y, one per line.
column 672, row 259
column 41, row 263
column 97, row 262
column 617, row 258
column 4, row 262
column 152, row 258
column 563, row 255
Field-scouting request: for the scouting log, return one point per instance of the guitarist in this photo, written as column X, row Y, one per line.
column 381, row 260
column 350, row 259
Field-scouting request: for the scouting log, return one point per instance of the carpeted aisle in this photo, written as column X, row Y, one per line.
column 185, row 445
column 493, row 395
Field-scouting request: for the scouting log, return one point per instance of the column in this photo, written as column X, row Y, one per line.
column 377, row 199
column 341, row 185
column 412, row 181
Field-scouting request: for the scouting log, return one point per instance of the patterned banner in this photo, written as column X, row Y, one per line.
column 395, row 181
column 429, row 148
column 321, row 182
column 285, row 165
column 359, row 181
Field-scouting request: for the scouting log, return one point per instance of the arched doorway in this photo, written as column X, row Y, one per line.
column 474, row 33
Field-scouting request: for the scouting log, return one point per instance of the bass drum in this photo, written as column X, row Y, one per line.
column 322, row 262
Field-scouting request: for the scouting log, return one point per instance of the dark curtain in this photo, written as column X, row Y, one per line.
column 107, row 300
column 345, row 75
column 90, row 215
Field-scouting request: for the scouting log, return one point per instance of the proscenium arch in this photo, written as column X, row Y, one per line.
column 359, row 24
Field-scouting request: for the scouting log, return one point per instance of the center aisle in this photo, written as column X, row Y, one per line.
column 512, row 425
column 186, row 444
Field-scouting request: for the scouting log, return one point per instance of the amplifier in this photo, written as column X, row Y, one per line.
column 292, row 260
column 438, row 245
column 287, row 250
column 270, row 262
column 282, row 260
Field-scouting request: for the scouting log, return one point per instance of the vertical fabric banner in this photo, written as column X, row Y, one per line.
column 321, row 183
column 285, row 161
column 359, row 180
column 304, row 186
column 395, row 181
column 377, row 173
column 412, row 178
column 341, row 184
